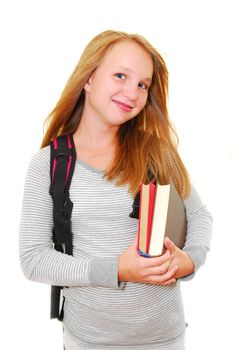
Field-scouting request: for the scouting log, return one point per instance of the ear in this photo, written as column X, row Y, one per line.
column 88, row 84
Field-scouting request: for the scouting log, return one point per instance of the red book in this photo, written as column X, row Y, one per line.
column 161, row 214
column 147, row 199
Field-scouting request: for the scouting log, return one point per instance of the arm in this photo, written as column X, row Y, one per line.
column 39, row 261
column 174, row 263
column 199, row 230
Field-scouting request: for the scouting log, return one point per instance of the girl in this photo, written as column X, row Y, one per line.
column 115, row 106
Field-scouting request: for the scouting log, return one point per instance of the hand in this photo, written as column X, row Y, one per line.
column 180, row 259
column 136, row 268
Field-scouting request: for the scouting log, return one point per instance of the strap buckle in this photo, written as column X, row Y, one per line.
column 63, row 153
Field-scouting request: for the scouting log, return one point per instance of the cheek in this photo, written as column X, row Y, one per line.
column 97, row 92
column 106, row 90
column 143, row 101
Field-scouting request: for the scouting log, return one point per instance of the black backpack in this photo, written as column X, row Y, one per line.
column 62, row 164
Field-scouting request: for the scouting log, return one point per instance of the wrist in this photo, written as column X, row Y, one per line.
column 120, row 269
column 185, row 264
column 191, row 265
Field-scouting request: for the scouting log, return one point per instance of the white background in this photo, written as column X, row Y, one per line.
column 41, row 42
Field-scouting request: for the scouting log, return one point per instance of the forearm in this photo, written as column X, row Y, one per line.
column 199, row 230
column 49, row 266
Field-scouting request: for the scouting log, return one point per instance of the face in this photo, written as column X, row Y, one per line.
column 118, row 89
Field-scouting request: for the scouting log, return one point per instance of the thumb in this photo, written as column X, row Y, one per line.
column 133, row 245
column 135, row 240
column 132, row 248
column 169, row 245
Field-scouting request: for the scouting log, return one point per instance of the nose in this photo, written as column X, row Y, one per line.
column 130, row 91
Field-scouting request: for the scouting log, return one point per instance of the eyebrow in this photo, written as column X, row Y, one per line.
column 130, row 70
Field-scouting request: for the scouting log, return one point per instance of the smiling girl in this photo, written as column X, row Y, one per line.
column 115, row 107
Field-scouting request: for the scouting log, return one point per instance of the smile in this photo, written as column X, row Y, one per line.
column 123, row 106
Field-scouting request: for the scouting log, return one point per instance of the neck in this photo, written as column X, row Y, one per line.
column 95, row 135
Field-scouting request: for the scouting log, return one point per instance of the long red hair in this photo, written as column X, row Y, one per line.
column 146, row 142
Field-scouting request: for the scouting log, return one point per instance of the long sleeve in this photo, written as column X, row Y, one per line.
column 199, row 230
column 39, row 261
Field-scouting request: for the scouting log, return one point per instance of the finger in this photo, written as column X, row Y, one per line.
column 159, row 270
column 157, row 261
column 169, row 245
column 170, row 274
column 171, row 281
column 135, row 240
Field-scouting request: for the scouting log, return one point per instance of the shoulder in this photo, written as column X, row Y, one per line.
column 193, row 201
column 40, row 161
column 194, row 204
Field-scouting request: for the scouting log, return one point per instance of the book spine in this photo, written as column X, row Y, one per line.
column 139, row 220
column 152, row 196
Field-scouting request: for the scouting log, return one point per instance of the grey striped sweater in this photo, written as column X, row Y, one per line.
column 101, row 313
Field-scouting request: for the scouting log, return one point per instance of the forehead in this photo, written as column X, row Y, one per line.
column 130, row 55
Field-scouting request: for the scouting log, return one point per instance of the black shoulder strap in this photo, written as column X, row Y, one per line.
column 62, row 163
column 136, row 203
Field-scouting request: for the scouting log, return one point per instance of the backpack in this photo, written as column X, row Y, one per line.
column 62, row 164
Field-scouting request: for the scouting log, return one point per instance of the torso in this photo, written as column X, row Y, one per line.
column 97, row 160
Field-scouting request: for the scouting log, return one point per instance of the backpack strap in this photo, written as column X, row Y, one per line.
column 136, row 203
column 63, row 158
column 62, row 163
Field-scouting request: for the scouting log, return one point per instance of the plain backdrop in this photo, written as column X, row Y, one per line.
column 41, row 42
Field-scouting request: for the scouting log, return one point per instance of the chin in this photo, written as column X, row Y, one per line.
column 116, row 120
column 121, row 121
column 125, row 117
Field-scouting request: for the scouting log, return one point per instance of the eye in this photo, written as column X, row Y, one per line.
column 143, row 86
column 120, row 76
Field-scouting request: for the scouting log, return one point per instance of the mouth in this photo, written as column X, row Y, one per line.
column 123, row 106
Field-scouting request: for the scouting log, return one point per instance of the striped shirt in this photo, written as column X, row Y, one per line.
column 101, row 313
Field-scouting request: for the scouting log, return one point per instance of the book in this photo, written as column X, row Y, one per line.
column 161, row 214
